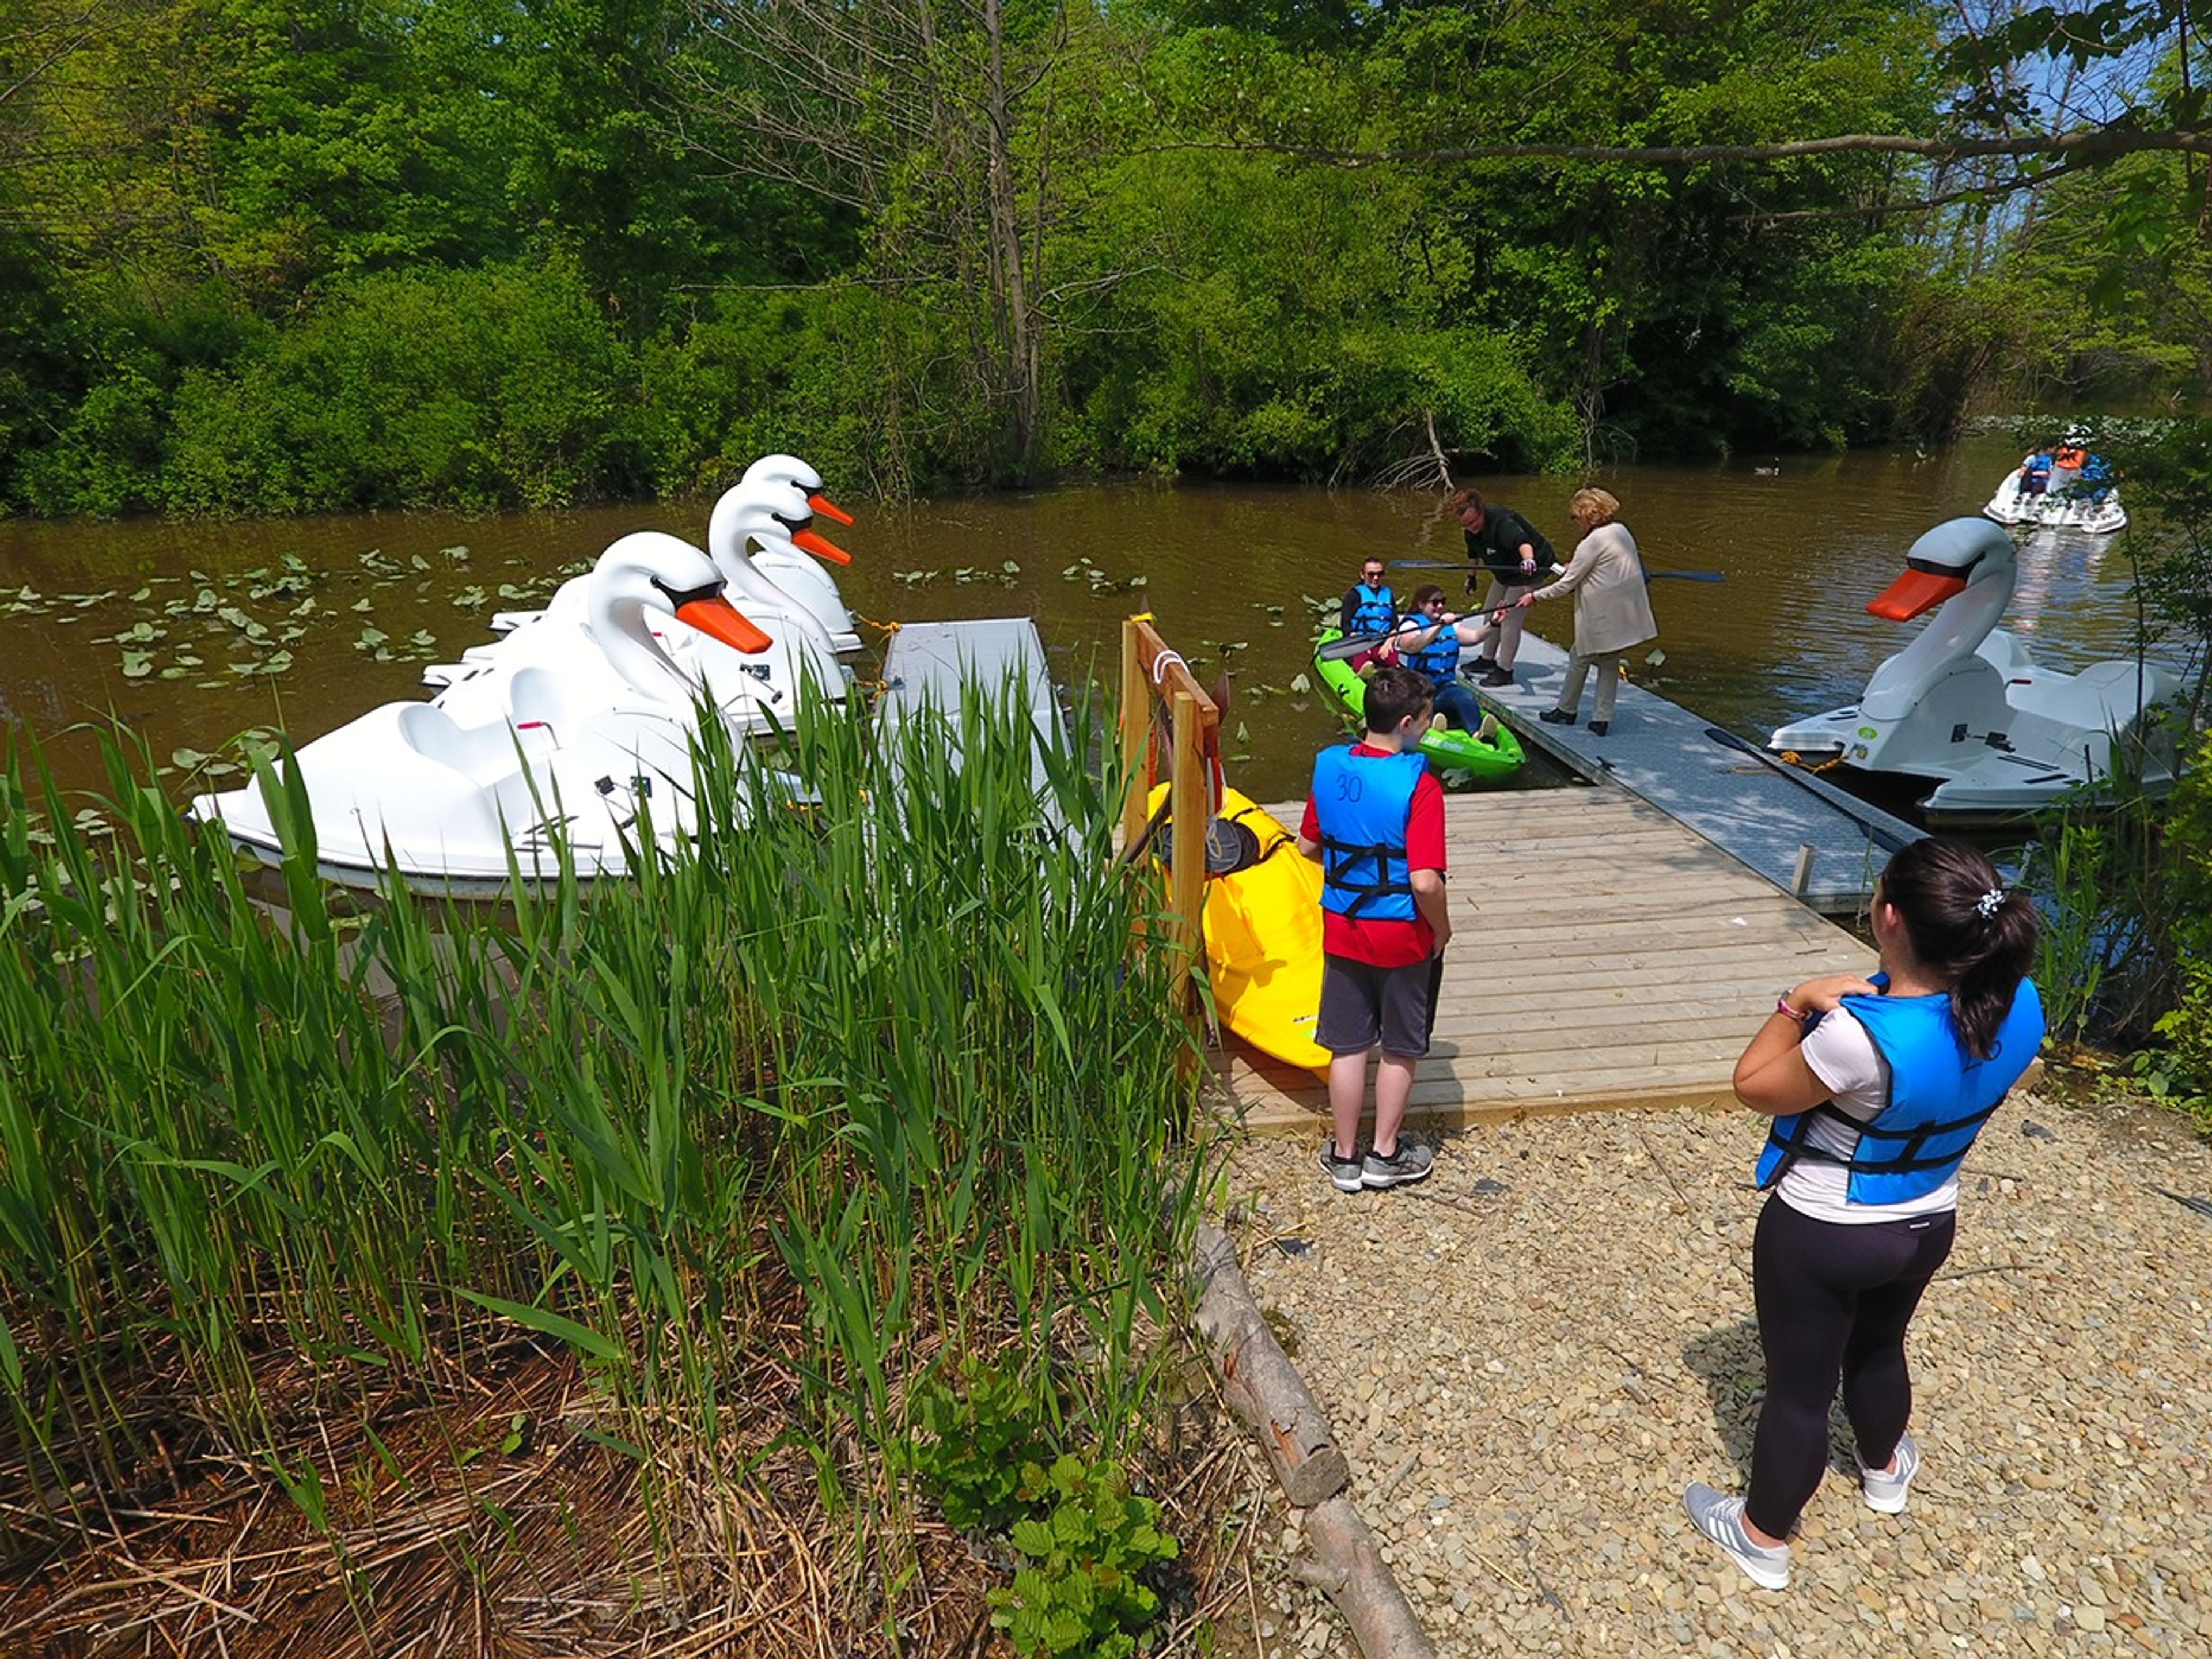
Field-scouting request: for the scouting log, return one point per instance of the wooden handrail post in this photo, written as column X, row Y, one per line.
column 1187, row 879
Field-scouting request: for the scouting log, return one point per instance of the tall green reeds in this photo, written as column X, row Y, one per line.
column 890, row 1055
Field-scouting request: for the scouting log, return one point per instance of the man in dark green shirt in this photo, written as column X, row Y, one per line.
column 1515, row 554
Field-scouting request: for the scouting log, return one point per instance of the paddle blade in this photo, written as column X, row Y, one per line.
column 719, row 619
column 1221, row 694
column 821, row 546
column 829, row 509
column 1351, row 645
column 1684, row 576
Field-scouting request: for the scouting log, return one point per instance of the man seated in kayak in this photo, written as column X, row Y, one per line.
column 1368, row 608
column 1427, row 641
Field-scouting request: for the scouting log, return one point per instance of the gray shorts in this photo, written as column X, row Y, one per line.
column 1363, row 1005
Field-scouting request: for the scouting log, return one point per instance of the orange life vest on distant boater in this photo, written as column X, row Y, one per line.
column 2071, row 458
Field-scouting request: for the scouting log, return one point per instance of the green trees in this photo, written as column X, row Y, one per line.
column 241, row 243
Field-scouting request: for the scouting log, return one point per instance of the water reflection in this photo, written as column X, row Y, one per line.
column 171, row 627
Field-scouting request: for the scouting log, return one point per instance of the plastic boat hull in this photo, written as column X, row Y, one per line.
column 1485, row 760
column 1262, row 926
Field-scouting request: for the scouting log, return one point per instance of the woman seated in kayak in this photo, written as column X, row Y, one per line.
column 1427, row 641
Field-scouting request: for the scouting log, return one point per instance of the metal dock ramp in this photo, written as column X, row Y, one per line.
column 929, row 664
column 1810, row 839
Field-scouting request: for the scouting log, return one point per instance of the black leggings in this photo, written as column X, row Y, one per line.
column 1833, row 1301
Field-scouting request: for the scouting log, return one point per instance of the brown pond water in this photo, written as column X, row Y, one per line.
column 191, row 633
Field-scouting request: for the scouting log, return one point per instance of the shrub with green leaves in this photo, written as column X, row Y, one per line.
column 1082, row 1590
column 975, row 1443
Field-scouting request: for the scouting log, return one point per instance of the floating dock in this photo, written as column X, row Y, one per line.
column 1808, row 837
column 1603, row 955
column 928, row 665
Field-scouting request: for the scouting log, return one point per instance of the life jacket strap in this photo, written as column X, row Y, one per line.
column 1341, row 857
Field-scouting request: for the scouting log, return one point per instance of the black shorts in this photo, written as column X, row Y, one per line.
column 1363, row 1005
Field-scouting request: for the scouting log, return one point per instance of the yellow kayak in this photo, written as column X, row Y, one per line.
column 1263, row 939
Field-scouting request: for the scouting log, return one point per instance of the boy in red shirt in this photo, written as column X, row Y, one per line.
column 1375, row 819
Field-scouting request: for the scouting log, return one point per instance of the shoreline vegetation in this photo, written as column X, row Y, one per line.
column 623, row 1262
column 261, row 260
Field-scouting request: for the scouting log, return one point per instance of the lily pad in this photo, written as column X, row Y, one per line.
column 136, row 664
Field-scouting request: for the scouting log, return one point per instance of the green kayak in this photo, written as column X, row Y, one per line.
column 1484, row 757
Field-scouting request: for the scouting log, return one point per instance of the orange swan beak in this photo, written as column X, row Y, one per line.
column 829, row 509
column 821, row 546
column 719, row 619
column 1915, row 591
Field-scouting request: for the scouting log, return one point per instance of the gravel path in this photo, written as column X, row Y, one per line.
column 1528, row 1357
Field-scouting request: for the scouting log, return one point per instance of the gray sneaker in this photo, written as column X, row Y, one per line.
column 1409, row 1164
column 1344, row 1173
column 1885, row 1493
column 1721, row 1519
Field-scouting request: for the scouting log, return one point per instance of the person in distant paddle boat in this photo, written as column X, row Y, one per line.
column 2035, row 473
column 2069, row 459
column 1375, row 819
column 1368, row 608
column 1516, row 557
column 1428, row 642
column 1878, row 1087
column 1612, row 611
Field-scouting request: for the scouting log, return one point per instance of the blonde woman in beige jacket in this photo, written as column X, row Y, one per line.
column 1613, row 613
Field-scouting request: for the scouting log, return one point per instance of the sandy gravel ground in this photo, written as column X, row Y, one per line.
column 1529, row 1356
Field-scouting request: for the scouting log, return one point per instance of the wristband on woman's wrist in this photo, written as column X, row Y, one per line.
column 1782, row 1007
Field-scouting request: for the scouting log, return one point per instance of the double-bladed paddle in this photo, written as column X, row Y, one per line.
column 1649, row 576
column 1885, row 839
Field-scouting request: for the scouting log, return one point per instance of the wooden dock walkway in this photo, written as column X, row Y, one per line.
column 1800, row 832
column 1603, row 955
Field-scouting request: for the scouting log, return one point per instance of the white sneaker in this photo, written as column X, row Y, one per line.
column 1721, row 1519
column 1885, row 1493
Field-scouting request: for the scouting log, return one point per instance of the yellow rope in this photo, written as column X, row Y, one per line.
column 1796, row 759
column 885, row 629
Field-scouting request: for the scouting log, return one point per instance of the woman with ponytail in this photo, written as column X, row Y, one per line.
column 1877, row 1087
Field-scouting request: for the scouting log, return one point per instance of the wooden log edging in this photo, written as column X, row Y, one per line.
column 1267, row 1392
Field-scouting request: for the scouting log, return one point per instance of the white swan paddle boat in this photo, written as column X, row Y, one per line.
column 2072, row 500
column 794, row 563
column 407, row 788
column 753, row 691
column 790, row 555
column 1966, row 708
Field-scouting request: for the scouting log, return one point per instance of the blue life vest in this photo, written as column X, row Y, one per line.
column 1439, row 657
column 1373, row 610
column 2037, row 466
column 1940, row 1096
column 1363, row 803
